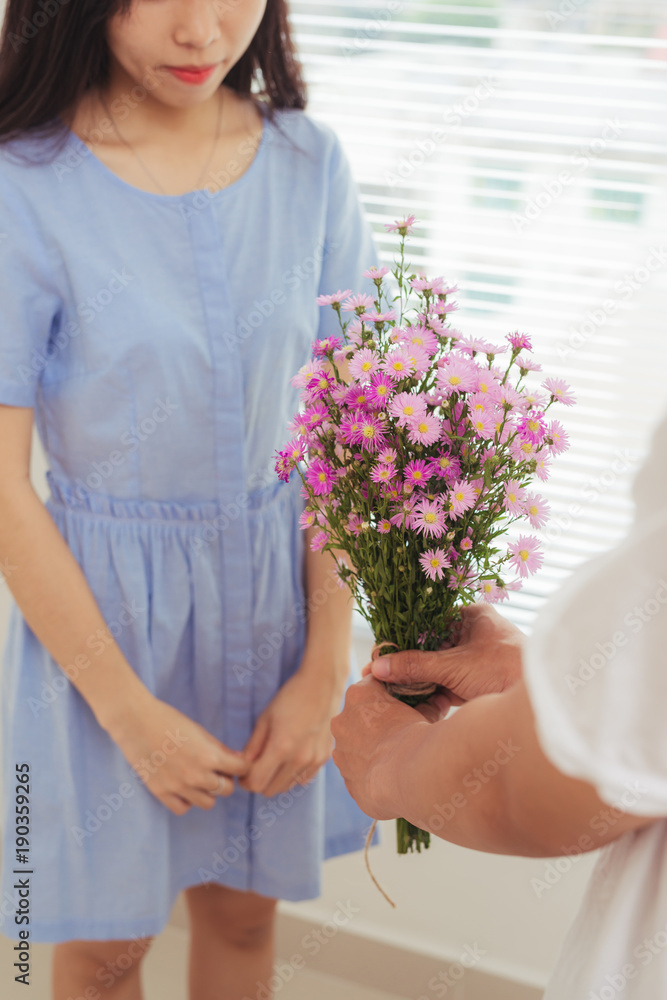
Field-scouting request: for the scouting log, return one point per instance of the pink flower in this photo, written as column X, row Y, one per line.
column 357, row 395
column 462, row 497
column 423, row 430
column 333, row 300
column 527, row 364
column 514, row 497
column 382, row 473
column 466, row 544
column 445, row 466
column 358, row 303
column 340, row 392
column 422, row 284
column 306, row 373
column 533, row 427
column 533, row 400
column 459, row 375
column 537, row 510
column 320, row 476
column 323, row 347
column 371, row 432
column 295, row 450
column 402, row 226
column 491, row 592
column 403, row 513
column 364, row 364
column 355, row 524
column 320, row 385
column 509, row 395
column 526, row 555
column 433, row 562
column 382, row 386
column 522, row 450
column 543, row 469
column 405, row 406
column 417, row 472
column 384, row 526
column 560, row 391
column 318, row 541
column 429, row 518
column 483, row 424
column 376, row 317
column 476, row 345
column 520, row 341
column 350, row 427
column 560, row 441
column 307, row 519
column 398, row 363
column 376, row 273
column 487, row 385
column 387, row 456
column 316, row 415
column 421, row 336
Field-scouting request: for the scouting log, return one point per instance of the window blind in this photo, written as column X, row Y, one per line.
column 529, row 140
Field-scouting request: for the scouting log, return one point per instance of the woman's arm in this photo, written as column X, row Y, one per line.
column 57, row 603
column 292, row 738
column 329, row 633
column 49, row 586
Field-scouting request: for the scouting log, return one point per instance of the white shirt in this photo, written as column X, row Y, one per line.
column 596, row 671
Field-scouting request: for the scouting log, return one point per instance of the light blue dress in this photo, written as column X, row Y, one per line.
column 155, row 335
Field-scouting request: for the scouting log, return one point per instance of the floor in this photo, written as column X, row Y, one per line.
column 164, row 975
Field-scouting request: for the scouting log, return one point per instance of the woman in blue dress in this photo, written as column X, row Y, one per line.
column 176, row 651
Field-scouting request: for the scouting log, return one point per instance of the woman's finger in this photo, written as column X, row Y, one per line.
column 257, row 741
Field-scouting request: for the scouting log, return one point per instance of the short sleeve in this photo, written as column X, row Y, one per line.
column 596, row 662
column 349, row 247
column 29, row 300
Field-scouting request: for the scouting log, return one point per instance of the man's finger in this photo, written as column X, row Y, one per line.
column 439, row 667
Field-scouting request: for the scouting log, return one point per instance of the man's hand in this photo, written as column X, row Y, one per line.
column 485, row 660
column 374, row 736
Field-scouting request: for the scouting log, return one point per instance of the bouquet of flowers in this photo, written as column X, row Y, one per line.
column 417, row 448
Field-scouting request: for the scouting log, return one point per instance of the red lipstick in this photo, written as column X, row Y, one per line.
column 192, row 74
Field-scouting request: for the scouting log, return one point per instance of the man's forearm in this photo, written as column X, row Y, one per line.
column 455, row 776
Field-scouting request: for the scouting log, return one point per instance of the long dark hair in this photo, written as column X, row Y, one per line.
column 53, row 51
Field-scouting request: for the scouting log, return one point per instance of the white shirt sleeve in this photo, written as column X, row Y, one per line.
column 595, row 664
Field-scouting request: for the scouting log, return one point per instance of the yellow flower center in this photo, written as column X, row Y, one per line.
column 511, row 497
column 417, row 474
column 533, row 510
column 527, row 447
column 525, row 554
column 422, row 428
column 454, row 380
column 435, row 563
column 458, row 496
column 533, row 426
column 366, row 366
column 430, row 517
column 322, row 476
column 369, row 431
column 408, row 410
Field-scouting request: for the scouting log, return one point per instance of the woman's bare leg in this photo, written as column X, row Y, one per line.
column 92, row 970
column 232, row 942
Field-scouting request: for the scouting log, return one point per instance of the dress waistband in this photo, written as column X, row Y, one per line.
column 66, row 494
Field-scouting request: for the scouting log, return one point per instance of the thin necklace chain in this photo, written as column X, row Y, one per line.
column 150, row 174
